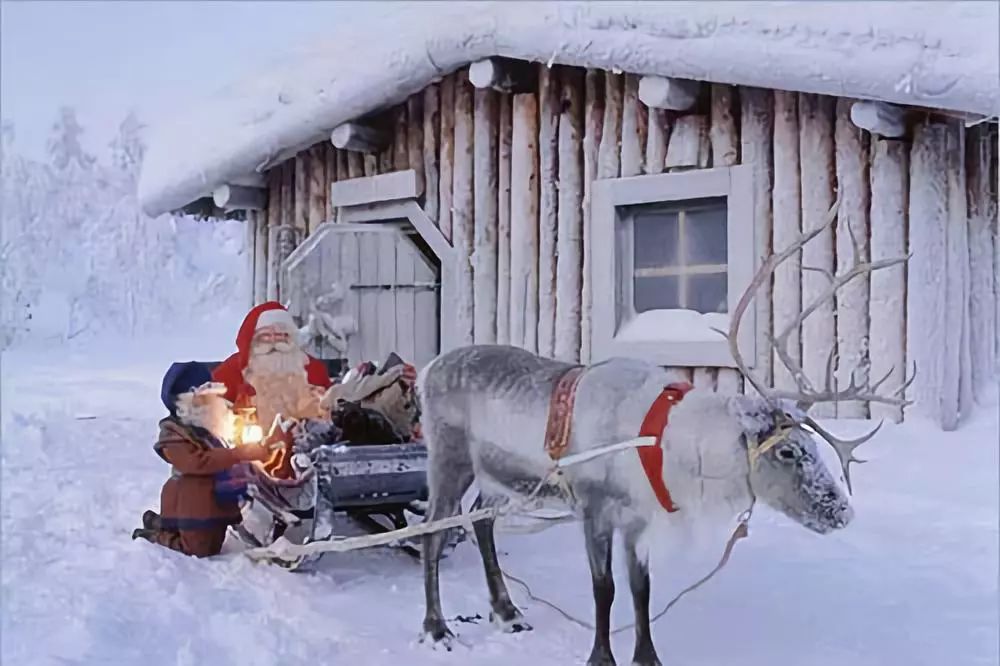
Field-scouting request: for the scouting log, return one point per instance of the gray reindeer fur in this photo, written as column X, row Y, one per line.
column 485, row 410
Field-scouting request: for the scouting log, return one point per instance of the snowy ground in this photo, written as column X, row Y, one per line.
column 912, row 581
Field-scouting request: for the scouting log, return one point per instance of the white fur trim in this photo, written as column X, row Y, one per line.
column 275, row 318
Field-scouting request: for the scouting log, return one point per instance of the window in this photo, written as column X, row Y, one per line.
column 671, row 254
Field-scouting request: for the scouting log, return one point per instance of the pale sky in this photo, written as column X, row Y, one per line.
column 107, row 57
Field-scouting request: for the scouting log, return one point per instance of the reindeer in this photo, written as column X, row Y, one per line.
column 486, row 414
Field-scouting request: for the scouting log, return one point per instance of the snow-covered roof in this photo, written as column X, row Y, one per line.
column 934, row 54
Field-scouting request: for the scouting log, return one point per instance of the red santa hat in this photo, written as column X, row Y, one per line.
column 269, row 313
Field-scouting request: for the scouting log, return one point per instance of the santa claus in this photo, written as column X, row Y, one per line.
column 269, row 371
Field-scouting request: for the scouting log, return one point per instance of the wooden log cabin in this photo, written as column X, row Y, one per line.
column 589, row 180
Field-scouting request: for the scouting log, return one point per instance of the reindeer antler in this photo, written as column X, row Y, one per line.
column 806, row 396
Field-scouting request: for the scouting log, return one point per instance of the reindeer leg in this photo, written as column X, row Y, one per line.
column 638, row 578
column 505, row 614
column 450, row 475
column 598, row 534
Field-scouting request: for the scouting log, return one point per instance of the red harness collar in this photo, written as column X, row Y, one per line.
column 558, row 428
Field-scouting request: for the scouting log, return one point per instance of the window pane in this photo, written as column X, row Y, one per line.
column 656, row 239
column 657, row 293
column 705, row 235
column 707, row 293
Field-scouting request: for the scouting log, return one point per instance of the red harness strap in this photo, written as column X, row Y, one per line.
column 558, row 427
column 651, row 457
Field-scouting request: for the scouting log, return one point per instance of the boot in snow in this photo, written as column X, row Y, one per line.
column 144, row 533
column 150, row 520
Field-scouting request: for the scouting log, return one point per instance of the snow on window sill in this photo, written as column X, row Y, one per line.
column 673, row 326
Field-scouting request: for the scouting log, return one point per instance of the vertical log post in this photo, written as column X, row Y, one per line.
column 657, row 135
column 303, row 165
column 463, row 207
column 816, row 115
column 982, row 227
column 260, row 257
column 400, row 139
column 851, row 301
column 593, row 124
column 787, row 290
column 415, row 138
column 318, row 187
column 503, row 222
column 447, row 154
column 887, row 296
column 249, row 249
column 569, row 261
column 548, row 158
column 273, row 221
column 330, row 161
column 484, row 264
column 926, row 328
column 957, row 391
column 757, row 143
column 431, row 136
column 634, row 128
column 725, row 141
column 524, row 223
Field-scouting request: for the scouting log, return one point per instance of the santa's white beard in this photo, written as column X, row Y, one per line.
column 278, row 376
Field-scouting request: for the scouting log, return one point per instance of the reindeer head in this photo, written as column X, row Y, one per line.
column 786, row 470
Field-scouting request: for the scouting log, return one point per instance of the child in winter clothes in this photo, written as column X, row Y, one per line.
column 201, row 498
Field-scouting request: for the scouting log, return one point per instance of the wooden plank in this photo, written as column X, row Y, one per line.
column 982, row 227
column 427, row 307
column 462, row 207
column 370, row 164
column 303, row 165
column 816, row 142
column 369, row 326
column 415, row 137
column 431, row 148
column 689, row 146
column 569, row 262
column 388, row 299
column 330, row 159
column 633, row 129
column 722, row 130
column 957, row 395
column 548, row 204
column 350, row 274
column 611, row 133
column 484, row 257
column 274, row 181
column 260, row 258
column 787, row 211
column 341, row 166
column 355, row 164
column 249, row 251
column 887, row 296
column 926, row 328
column 503, row 222
column 724, row 139
column 524, row 223
column 593, row 126
column 400, row 139
column 657, row 134
column 447, row 158
column 385, row 187
column 317, row 187
column 851, row 301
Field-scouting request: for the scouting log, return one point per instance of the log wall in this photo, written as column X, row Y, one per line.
column 507, row 178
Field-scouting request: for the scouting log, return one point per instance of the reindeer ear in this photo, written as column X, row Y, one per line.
column 754, row 415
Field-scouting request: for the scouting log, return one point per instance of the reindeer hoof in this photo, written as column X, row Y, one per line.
column 515, row 624
column 437, row 634
column 601, row 658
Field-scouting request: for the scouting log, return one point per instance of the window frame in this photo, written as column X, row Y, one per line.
column 612, row 256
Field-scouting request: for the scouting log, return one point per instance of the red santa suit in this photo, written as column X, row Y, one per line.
column 230, row 372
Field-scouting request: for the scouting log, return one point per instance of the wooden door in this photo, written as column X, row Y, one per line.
column 390, row 282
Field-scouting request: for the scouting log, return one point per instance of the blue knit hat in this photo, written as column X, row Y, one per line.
column 181, row 378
